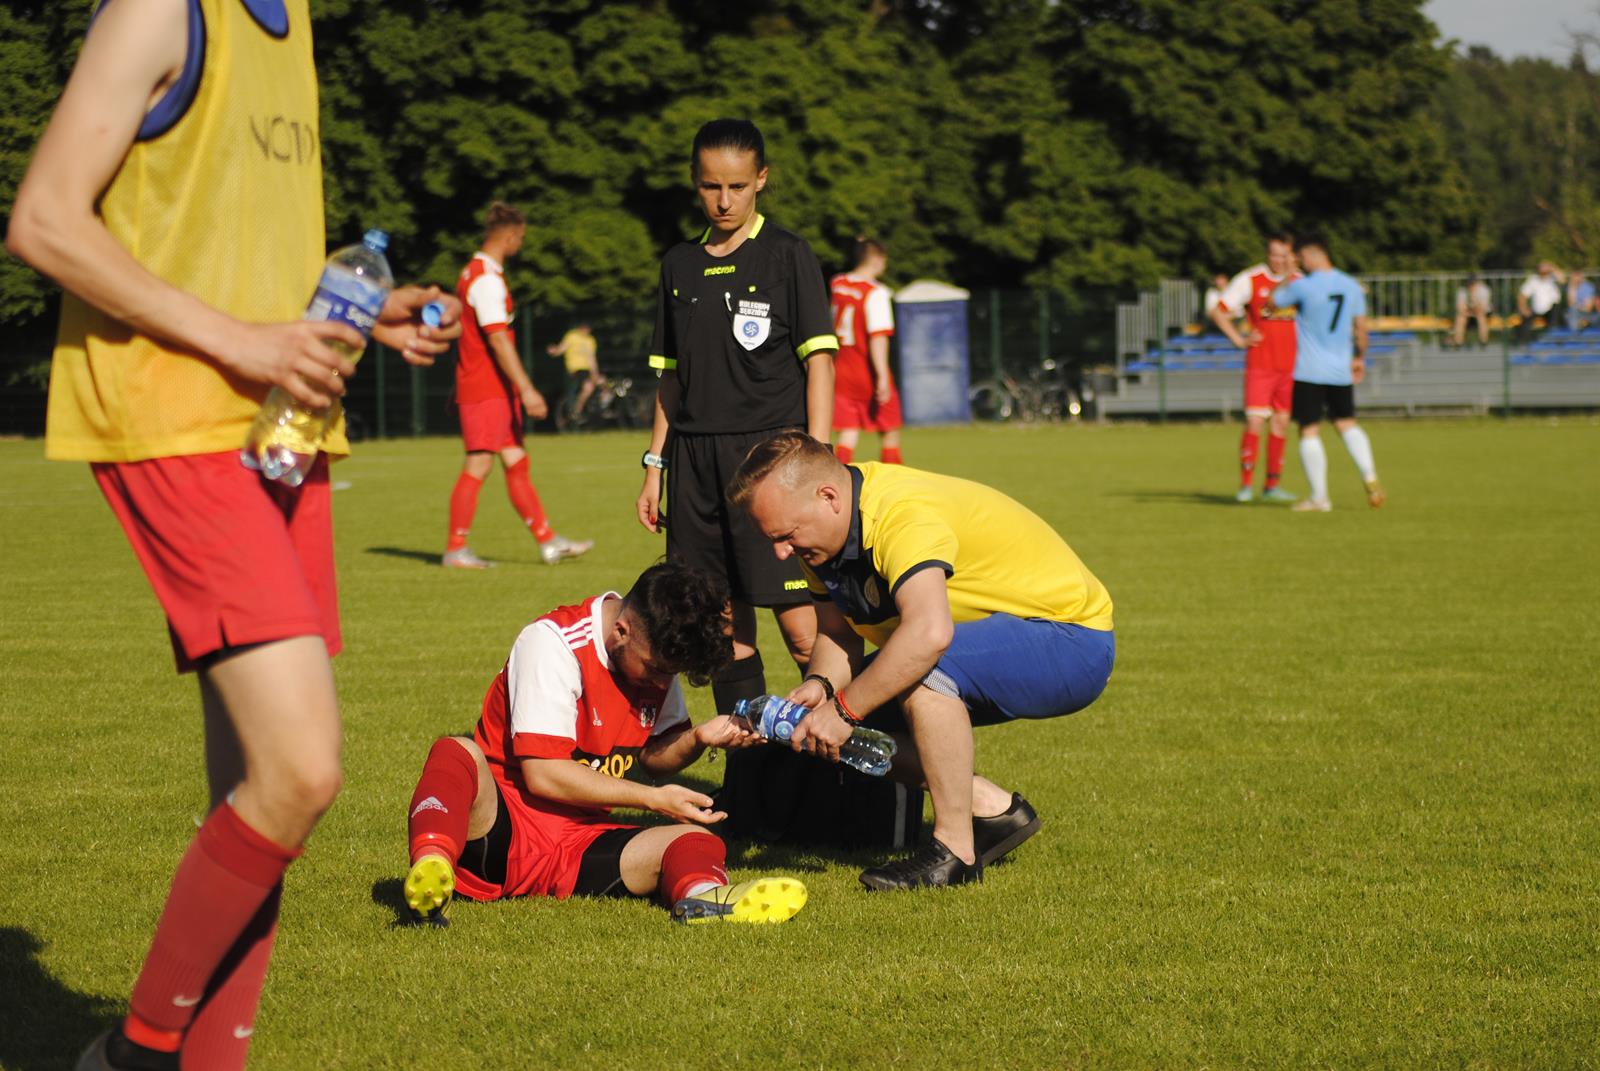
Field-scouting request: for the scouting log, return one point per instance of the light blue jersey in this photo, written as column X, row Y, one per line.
column 1328, row 303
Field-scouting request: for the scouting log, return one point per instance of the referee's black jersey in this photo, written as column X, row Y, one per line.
column 737, row 329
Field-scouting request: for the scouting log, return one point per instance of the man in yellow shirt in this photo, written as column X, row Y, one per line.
column 981, row 614
column 578, row 348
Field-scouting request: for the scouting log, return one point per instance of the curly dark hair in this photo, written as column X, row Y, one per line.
column 684, row 612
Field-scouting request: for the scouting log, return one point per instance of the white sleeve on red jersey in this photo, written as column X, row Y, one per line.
column 674, row 711
column 487, row 296
column 543, row 683
column 880, row 312
column 1236, row 298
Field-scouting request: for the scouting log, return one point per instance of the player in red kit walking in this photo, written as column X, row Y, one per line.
column 864, row 394
column 589, row 693
column 492, row 393
column 1268, row 363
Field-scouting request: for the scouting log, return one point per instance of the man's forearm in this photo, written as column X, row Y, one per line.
column 1224, row 322
column 567, row 781
column 666, row 411
column 878, row 351
column 902, row 663
column 671, row 752
column 505, row 355
column 819, row 395
column 832, row 659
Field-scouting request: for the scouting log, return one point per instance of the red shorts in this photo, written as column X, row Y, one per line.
column 492, row 425
column 1267, row 390
column 234, row 559
column 546, row 849
column 867, row 415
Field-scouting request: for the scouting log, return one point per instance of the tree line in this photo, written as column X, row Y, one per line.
column 1060, row 144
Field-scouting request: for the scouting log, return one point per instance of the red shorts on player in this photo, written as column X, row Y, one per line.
column 540, row 842
column 1267, row 390
column 867, row 415
column 234, row 559
column 492, row 425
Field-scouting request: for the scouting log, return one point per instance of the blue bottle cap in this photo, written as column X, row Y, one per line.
column 377, row 240
column 433, row 313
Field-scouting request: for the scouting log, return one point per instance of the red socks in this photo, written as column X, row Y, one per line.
column 219, row 1037
column 1275, row 444
column 890, row 455
column 227, row 874
column 844, row 453
column 442, row 802
column 692, row 859
column 463, row 504
column 1249, row 446
column 525, row 500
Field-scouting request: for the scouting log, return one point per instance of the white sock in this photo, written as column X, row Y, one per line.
column 1360, row 447
column 702, row 886
column 1314, row 459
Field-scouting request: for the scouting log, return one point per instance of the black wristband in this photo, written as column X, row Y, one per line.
column 827, row 685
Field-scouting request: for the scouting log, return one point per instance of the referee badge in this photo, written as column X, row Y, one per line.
column 752, row 323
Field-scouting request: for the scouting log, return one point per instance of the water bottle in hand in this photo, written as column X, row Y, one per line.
column 774, row 718
column 286, row 435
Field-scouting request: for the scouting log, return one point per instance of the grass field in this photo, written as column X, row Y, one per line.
column 1340, row 805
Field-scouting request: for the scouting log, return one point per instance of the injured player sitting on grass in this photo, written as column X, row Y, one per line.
column 521, row 808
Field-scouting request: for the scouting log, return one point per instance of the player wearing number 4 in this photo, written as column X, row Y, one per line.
column 1330, row 359
column 981, row 614
column 863, row 387
column 520, row 808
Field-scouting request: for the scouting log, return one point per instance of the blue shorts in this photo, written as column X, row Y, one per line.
column 1005, row 667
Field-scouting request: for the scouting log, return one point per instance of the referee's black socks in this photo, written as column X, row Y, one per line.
column 744, row 678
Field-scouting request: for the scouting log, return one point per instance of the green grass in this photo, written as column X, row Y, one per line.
column 1338, row 806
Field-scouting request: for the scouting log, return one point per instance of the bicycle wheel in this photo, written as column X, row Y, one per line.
column 991, row 400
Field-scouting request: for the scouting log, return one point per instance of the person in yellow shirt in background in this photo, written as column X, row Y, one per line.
column 176, row 196
column 578, row 347
column 981, row 614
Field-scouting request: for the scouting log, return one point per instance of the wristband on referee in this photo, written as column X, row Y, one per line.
column 844, row 709
column 827, row 685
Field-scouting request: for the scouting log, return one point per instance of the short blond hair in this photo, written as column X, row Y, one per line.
column 790, row 455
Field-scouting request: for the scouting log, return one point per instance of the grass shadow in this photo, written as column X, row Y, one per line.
column 390, row 893
column 45, row 1022
column 431, row 557
column 1196, row 498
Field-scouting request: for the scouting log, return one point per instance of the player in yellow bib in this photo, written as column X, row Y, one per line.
column 981, row 614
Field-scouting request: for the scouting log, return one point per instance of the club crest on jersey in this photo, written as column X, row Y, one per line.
column 647, row 716
column 752, row 323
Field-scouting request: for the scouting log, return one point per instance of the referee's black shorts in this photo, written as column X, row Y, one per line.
column 704, row 530
column 1311, row 400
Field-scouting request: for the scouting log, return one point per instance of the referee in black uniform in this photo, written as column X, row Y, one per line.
column 744, row 343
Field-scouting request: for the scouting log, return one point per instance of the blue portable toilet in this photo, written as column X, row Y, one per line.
column 931, row 328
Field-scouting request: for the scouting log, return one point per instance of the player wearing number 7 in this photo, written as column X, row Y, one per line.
column 1330, row 359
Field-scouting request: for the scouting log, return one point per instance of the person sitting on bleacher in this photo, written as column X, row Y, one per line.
column 1538, row 297
column 1473, row 302
column 1580, row 302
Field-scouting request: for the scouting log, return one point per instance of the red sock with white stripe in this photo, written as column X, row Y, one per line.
column 219, row 1037
column 463, row 504
column 442, row 802
column 692, row 863
column 525, row 500
column 226, row 875
column 1249, row 446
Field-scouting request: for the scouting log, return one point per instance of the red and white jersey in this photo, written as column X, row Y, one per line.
column 557, row 698
column 1250, row 292
column 862, row 310
column 486, row 307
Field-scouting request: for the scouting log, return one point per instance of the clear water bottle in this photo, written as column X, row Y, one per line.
column 286, row 435
column 774, row 718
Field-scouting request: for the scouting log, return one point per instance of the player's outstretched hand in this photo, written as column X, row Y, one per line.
column 822, row 733
column 809, row 694
column 648, row 507
column 727, row 732
column 295, row 356
column 686, row 805
column 400, row 325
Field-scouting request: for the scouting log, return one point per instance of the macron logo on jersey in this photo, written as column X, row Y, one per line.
column 430, row 804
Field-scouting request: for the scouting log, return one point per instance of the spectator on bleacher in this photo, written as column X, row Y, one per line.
column 1219, row 283
column 1268, row 363
column 1580, row 302
column 1538, row 297
column 1473, row 302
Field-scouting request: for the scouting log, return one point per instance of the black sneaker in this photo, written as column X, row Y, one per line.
column 994, row 837
column 932, row 864
column 112, row 1051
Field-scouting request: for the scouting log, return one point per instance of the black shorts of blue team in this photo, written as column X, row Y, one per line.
column 1004, row 668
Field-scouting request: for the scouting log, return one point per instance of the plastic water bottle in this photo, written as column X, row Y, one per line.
column 286, row 435
column 774, row 718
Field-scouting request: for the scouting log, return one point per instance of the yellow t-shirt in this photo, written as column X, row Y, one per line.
column 225, row 204
column 998, row 555
column 579, row 351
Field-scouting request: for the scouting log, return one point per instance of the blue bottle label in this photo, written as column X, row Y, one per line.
column 345, row 297
column 779, row 717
